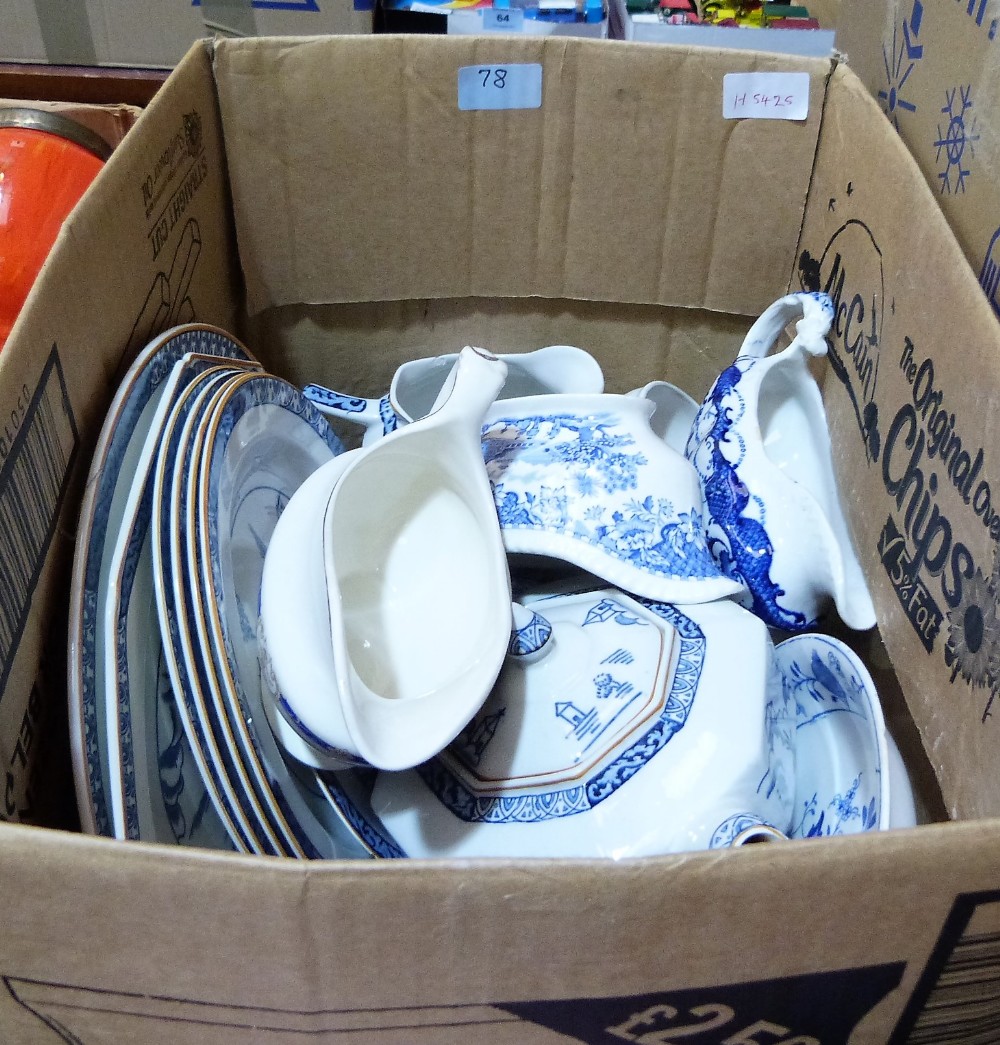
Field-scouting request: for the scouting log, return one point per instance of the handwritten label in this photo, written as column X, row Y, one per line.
column 497, row 20
column 765, row 96
column 517, row 86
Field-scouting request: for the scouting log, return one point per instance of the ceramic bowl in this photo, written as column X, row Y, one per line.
column 586, row 480
column 761, row 447
column 617, row 728
column 849, row 775
column 417, row 383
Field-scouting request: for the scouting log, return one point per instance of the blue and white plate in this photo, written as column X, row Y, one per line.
column 842, row 763
column 156, row 791
column 112, row 469
column 236, row 770
column 172, row 597
column 264, row 439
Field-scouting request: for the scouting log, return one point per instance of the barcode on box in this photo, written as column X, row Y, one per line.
column 32, row 485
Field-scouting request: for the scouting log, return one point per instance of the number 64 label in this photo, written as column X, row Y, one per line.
column 515, row 86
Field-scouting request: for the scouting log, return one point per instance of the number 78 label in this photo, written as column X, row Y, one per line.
column 514, row 86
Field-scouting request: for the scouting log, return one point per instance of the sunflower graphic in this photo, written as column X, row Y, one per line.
column 973, row 648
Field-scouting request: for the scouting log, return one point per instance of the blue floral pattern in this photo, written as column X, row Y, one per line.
column 738, row 538
column 595, row 458
column 826, row 690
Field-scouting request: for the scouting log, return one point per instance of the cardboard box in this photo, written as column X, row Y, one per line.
column 933, row 68
column 815, row 42
column 155, row 34
column 328, row 200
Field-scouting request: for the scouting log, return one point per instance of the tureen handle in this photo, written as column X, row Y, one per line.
column 816, row 311
column 372, row 413
column 530, row 635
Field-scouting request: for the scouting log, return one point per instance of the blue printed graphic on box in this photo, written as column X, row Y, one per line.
column 956, row 140
column 989, row 273
column 906, row 51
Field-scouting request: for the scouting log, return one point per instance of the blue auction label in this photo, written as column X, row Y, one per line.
column 517, row 86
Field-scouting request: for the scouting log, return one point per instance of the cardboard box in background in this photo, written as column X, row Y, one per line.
column 934, row 68
column 156, row 34
column 573, row 222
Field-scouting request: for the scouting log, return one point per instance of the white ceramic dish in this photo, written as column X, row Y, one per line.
column 629, row 738
column 843, row 769
column 262, row 441
column 412, row 570
column 156, row 791
column 585, row 479
column 115, row 459
column 673, row 414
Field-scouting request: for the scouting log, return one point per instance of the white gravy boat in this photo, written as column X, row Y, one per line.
column 399, row 544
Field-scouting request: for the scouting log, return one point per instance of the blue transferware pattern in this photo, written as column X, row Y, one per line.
column 319, row 816
column 174, row 612
column 739, row 541
column 354, row 408
column 839, row 787
column 761, row 447
column 162, row 795
column 733, row 826
column 584, row 479
column 126, row 426
column 583, row 723
column 349, row 791
column 529, row 637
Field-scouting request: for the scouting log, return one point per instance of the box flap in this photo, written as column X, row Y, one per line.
column 915, row 365
column 624, row 185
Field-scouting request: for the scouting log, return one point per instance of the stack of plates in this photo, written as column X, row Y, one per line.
column 199, row 454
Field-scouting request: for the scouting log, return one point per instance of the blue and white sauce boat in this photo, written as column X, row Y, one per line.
column 761, row 447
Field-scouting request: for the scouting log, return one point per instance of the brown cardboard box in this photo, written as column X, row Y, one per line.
column 334, row 206
column 155, row 34
column 933, row 68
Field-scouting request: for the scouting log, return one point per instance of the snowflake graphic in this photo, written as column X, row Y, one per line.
column 958, row 136
column 906, row 52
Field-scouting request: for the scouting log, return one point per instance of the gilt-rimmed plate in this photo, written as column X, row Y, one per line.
column 118, row 451
column 263, row 441
column 841, row 752
column 238, row 770
column 156, row 791
column 171, row 594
